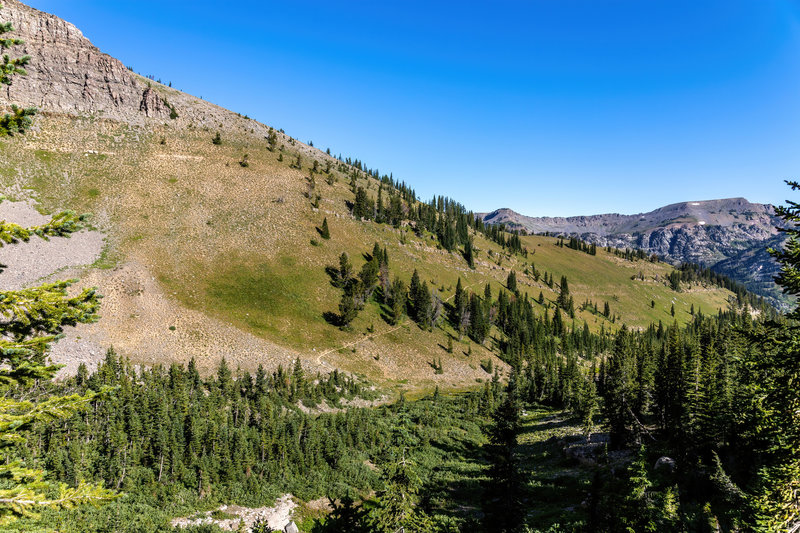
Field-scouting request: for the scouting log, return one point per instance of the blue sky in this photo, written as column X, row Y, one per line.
column 549, row 107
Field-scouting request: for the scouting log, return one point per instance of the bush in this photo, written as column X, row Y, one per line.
column 18, row 121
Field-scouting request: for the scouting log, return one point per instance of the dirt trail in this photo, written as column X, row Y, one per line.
column 351, row 344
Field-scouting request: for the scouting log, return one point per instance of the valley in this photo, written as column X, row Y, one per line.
column 209, row 325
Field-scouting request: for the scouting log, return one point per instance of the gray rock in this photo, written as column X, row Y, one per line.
column 68, row 74
column 291, row 527
column 666, row 464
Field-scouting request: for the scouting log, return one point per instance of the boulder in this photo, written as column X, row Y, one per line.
column 291, row 527
column 666, row 464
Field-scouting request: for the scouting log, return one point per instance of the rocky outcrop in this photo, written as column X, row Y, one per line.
column 666, row 464
column 152, row 105
column 68, row 74
column 731, row 236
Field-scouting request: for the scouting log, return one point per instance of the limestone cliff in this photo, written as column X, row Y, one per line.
column 68, row 74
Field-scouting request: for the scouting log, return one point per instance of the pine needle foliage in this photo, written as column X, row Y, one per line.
column 30, row 320
column 19, row 119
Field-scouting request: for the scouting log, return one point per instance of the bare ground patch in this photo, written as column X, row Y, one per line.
column 142, row 322
column 277, row 516
column 26, row 263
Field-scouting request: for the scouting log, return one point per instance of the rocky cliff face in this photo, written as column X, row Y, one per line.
column 67, row 74
column 731, row 236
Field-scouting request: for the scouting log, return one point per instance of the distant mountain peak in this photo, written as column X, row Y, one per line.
column 730, row 235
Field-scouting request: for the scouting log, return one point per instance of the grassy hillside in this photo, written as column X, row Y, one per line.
column 230, row 246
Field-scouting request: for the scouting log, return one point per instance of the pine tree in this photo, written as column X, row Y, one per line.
column 511, row 281
column 773, row 372
column 395, row 509
column 460, row 318
column 422, row 305
column 19, row 120
column 670, row 382
column 502, row 493
column 345, row 269
column 563, row 296
column 348, row 305
column 414, row 289
column 272, row 139
column 33, row 318
column 379, row 210
column 398, row 300
column 638, row 512
column 469, row 253
column 478, row 325
column 324, row 231
column 369, row 276
column 362, row 206
column 619, row 391
column 558, row 323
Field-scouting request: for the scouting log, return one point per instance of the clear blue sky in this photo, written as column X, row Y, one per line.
column 550, row 107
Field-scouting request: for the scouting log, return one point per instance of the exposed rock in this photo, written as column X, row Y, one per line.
column 152, row 105
column 233, row 517
column 291, row 527
column 68, row 74
column 27, row 264
column 730, row 236
column 666, row 464
column 585, row 451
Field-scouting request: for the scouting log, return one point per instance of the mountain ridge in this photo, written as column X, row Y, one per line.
column 213, row 247
column 729, row 235
column 605, row 223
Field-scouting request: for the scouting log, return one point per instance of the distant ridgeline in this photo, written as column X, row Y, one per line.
column 730, row 237
column 449, row 222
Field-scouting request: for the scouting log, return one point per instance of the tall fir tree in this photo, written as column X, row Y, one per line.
column 773, row 364
column 469, row 253
column 324, row 232
column 34, row 318
column 511, row 281
column 502, row 501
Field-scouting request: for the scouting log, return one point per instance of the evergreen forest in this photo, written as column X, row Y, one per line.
column 580, row 422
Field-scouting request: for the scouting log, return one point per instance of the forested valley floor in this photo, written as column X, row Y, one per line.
column 667, row 443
